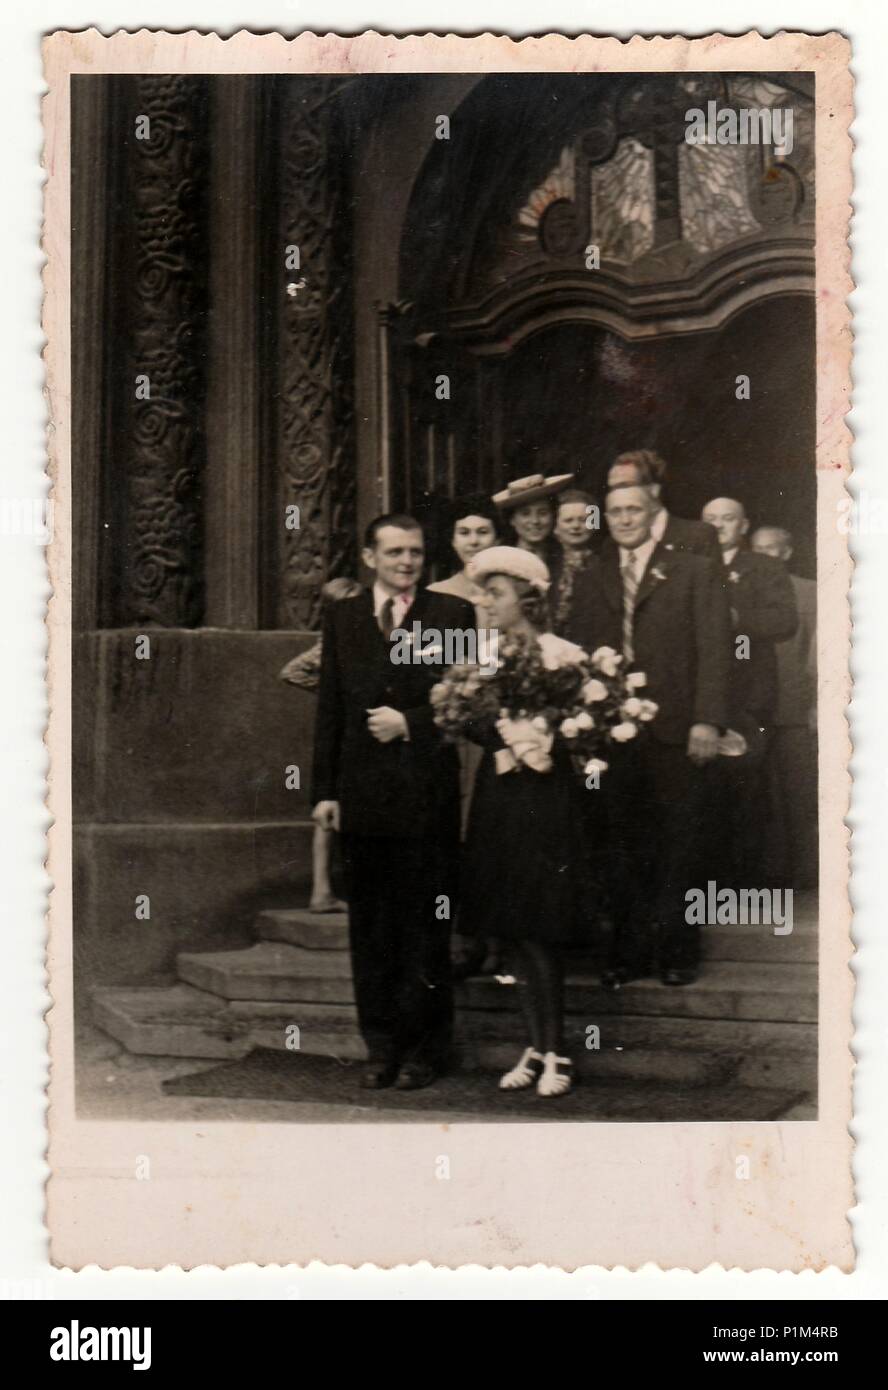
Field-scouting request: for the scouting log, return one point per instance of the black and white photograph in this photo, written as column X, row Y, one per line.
column 444, row 587
column 444, row 581
column 450, row 542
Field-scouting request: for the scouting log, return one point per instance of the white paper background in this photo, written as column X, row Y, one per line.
column 23, row 592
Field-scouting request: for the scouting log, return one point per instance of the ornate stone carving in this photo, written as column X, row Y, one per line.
column 162, row 274
column 316, row 470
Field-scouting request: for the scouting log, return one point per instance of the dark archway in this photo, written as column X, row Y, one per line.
column 705, row 272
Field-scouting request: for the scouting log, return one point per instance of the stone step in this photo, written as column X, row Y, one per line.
column 725, row 990
column 762, row 1052
column 758, row 943
column 316, row 931
column 269, row 970
column 329, row 931
column 170, row 1021
column 742, row 1037
column 183, row 1021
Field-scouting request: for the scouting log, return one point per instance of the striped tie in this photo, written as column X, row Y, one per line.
column 630, row 589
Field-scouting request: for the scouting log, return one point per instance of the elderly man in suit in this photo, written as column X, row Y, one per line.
column 648, row 469
column 384, row 778
column 793, row 831
column 763, row 612
column 665, row 610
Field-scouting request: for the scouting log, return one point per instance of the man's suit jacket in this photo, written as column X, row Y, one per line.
column 759, row 591
column 696, row 536
column 681, row 633
column 797, row 661
column 406, row 788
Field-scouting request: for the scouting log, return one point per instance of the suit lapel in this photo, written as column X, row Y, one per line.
column 657, row 572
column 611, row 580
column 369, row 628
column 416, row 612
column 367, row 635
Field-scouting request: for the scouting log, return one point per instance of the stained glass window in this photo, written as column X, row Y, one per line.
column 712, row 182
column 623, row 203
column 559, row 183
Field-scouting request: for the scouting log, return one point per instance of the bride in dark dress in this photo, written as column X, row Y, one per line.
column 525, row 867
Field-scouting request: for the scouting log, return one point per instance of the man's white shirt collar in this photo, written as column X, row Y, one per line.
column 642, row 554
column 401, row 602
column 728, row 555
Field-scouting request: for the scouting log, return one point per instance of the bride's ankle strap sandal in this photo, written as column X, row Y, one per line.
column 528, row 1069
column 557, row 1076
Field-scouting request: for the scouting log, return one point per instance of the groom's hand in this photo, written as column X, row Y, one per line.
column 326, row 815
column 702, row 743
column 386, row 724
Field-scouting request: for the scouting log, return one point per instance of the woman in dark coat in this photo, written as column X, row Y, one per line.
column 525, row 868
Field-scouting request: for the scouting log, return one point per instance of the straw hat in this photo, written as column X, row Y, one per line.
column 530, row 489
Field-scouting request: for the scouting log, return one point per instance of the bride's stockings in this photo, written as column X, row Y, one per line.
column 541, row 972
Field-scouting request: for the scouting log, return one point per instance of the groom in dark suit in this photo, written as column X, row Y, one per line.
column 666, row 611
column 384, row 778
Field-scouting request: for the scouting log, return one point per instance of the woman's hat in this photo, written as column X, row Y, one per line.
column 530, row 489
column 508, row 559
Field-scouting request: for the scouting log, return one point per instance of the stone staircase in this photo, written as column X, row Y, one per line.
column 749, row 1020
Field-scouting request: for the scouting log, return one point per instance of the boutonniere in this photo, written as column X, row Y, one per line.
column 658, row 574
column 734, row 576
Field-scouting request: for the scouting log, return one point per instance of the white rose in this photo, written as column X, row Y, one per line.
column 635, row 680
column 648, row 710
column 594, row 690
column 595, row 765
column 607, row 660
column 623, row 732
column 584, row 721
column 631, row 708
column 570, row 728
column 540, row 724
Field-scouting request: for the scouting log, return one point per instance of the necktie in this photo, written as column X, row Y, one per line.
column 630, row 589
column 386, row 618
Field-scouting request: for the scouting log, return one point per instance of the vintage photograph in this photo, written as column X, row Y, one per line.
column 449, row 650
column 444, row 589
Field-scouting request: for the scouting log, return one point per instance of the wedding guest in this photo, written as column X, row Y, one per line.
column 665, row 611
column 474, row 526
column 573, row 532
column 384, row 778
column 763, row 612
column 524, row 879
column 645, row 468
column 792, row 841
column 528, row 504
column 304, row 671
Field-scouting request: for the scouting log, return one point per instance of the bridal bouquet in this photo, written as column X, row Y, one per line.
column 540, row 688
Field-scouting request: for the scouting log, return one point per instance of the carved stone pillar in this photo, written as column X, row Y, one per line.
column 315, row 424
column 153, row 473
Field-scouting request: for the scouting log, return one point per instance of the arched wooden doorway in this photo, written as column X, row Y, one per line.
column 557, row 356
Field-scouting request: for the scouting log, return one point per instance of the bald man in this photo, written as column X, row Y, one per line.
column 763, row 612
column 793, row 768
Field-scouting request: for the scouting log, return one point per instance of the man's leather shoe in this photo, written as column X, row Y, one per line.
column 616, row 976
column 678, row 975
column 378, row 1074
column 414, row 1075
